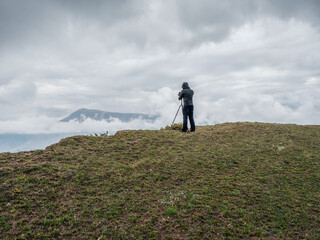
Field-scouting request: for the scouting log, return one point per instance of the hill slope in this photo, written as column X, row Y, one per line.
column 228, row 181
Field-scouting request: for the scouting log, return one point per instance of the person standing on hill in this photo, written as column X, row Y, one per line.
column 187, row 95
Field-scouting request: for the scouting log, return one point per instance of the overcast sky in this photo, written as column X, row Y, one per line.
column 246, row 60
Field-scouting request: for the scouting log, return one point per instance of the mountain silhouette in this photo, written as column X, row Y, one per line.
column 83, row 114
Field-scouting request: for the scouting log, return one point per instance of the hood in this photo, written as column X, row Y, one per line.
column 185, row 85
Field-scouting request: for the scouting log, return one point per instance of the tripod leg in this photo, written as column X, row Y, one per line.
column 176, row 115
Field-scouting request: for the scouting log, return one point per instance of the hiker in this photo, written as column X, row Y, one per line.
column 187, row 95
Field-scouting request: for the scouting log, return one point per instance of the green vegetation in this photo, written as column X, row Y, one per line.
column 228, row 181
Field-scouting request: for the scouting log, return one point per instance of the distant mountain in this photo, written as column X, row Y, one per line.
column 25, row 142
column 83, row 114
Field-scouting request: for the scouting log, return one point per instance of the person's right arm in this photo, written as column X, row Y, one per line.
column 181, row 94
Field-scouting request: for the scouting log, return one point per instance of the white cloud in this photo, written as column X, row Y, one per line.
column 44, row 125
column 246, row 61
column 313, row 81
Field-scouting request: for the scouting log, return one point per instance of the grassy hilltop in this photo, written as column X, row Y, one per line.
column 228, row 181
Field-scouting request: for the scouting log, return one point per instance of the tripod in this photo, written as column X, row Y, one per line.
column 177, row 112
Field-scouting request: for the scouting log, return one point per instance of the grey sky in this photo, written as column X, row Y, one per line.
column 246, row 60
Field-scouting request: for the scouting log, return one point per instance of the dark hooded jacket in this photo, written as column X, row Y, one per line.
column 186, row 94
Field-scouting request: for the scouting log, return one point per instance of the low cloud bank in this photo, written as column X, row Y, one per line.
column 47, row 125
column 299, row 106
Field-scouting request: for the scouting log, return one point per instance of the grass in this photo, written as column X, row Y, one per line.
column 227, row 181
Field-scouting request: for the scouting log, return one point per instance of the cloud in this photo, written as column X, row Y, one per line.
column 38, row 21
column 245, row 105
column 46, row 125
column 246, row 60
column 313, row 81
column 140, row 23
column 17, row 95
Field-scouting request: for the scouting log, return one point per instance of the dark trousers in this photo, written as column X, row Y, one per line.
column 188, row 113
